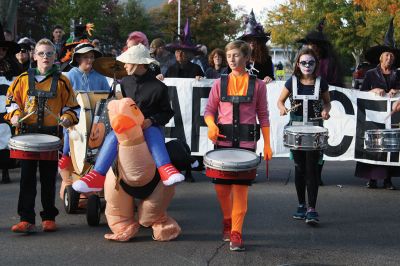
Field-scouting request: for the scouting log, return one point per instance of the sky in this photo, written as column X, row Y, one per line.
column 257, row 5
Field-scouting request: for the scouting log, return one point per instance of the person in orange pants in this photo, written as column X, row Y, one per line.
column 238, row 99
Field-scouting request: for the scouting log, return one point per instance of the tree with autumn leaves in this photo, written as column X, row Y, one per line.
column 213, row 22
column 351, row 26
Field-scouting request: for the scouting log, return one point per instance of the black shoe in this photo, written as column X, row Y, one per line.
column 189, row 177
column 389, row 185
column 6, row 177
column 372, row 184
column 321, row 183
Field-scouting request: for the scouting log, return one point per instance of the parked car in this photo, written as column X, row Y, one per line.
column 359, row 74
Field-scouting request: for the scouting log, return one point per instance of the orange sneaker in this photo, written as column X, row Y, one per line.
column 23, row 227
column 49, row 226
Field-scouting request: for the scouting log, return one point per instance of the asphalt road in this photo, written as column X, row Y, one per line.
column 358, row 226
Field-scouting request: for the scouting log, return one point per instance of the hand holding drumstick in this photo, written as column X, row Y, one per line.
column 284, row 111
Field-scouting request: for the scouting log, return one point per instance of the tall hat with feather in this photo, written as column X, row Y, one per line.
column 253, row 29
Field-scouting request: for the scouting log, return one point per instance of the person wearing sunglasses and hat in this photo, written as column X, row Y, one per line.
column 151, row 96
column 305, row 81
column 83, row 78
column 39, row 101
column 23, row 57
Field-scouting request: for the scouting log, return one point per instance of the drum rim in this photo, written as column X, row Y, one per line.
column 16, row 144
column 238, row 167
column 324, row 130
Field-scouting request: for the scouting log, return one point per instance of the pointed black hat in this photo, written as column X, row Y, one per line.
column 315, row 36
column 373, row 54
column 13, row 47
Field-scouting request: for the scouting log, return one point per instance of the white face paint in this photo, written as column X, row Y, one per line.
column 306, row 64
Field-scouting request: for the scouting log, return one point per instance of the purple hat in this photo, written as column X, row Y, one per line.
column 184, row 42
column 373, row 54
column 253, row 29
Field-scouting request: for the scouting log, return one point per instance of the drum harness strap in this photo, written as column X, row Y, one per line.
column 237, row 132
column 42, row 97
column 305, row 98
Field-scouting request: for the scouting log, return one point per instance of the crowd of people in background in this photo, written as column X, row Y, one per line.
column 240, row 61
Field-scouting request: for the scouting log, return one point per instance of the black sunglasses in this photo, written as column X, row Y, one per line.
column 307, row 63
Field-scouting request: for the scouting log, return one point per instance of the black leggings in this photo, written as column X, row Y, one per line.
column 27, row 193
column 307, row 176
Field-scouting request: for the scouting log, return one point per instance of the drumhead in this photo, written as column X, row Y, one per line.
column 231, row 159
column 35, row 142
column 306, row 129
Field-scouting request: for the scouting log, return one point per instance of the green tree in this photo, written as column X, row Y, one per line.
column 212, row 22
column 351, row 26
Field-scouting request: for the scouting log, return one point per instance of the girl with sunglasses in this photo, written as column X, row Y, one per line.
column 306, row 162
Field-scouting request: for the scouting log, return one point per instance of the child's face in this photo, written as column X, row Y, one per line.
column 236, row 59
column 306, row 64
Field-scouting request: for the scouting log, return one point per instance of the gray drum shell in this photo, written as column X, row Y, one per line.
column 236, row 163
column 382, row 140
column 307, row 138
column 35, row 142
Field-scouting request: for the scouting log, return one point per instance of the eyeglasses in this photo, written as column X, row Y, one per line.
column 23, row 51
column 307, row 63
column 47, row 54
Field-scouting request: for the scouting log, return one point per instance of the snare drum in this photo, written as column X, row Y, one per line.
column 305, row 137
column 34, row 146
column 231, row 163
column 382, row 140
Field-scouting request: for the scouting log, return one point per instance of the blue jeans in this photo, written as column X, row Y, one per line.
column 155, row 141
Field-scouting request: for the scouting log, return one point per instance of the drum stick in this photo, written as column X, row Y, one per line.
column 221, row 136
column 389, row 115
column 315, row 118
column 25, row 117
column 294, row 107
column 53, row 115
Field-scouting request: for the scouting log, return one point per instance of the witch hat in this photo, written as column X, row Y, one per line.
column 13, row 47
column 184, row 41
column 373, row 54
column 253, row 29
column 315, row 36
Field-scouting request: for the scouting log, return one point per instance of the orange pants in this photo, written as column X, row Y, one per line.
column 233, row 202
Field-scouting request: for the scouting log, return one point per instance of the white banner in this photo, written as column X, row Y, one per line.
column 5, row 132
column 352, row 113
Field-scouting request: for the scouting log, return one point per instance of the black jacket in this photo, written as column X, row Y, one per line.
column 375, row 79
column 188, row 70
column 150, row 95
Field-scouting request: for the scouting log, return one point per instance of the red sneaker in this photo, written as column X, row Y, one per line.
column 226, row 233
column 64, row 162
column 49, row 226
column 23, row 227
column 91, row 182
column 236, row 242
column 170, row 175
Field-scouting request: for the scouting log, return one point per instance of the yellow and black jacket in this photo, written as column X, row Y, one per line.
column 20, row 103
